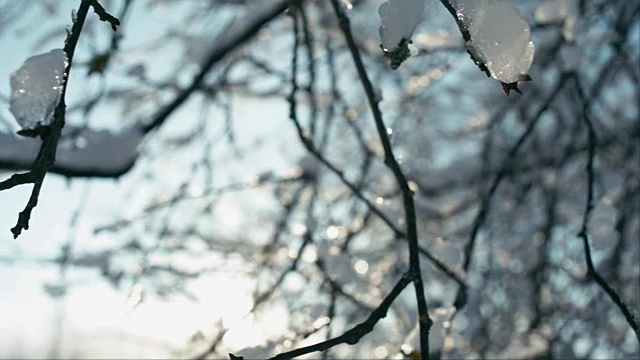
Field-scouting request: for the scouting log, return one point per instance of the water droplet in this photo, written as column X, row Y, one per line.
column 361, row 267
column 332, row 232
column 74, row 15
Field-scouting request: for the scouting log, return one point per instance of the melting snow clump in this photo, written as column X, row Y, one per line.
column 398, row 19
column 36, row 89
column 500, row 38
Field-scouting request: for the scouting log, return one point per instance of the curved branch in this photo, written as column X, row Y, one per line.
column 353, row 335
column 583, row 234
column 424, row 320
column 227, row 45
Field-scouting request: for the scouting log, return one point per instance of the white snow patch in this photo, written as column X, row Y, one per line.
column 103, row 153
column 500, row 38
column 36, row 88
column 398, row 19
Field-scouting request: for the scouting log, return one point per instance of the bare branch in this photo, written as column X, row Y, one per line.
column 391, row 162
column 583, row 234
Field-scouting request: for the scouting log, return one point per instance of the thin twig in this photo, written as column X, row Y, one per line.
column 424, row 320
column 353, row 335
column 307, row 142
column 504, row 170
column 218, row 53
column 104, row 15
column 583, row 234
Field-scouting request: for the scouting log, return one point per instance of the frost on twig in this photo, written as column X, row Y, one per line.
column 498, row 39
column 398, row 19
column 35, row 91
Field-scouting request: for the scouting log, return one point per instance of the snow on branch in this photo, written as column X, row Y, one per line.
column 498, row 38
column 495, row 35
column 33, row 109
column 398, row 19
column 36, row 89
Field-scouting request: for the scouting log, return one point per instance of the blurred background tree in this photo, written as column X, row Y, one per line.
column 220, row 173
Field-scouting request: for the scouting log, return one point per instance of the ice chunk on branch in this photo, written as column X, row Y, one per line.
column 499, row 38
column 36, row 88
column 398, row 19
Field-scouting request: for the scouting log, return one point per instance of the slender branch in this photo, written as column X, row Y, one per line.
column 353, row 335
column 307, row 142
column 424, row 320
column 583, row 234
column 504, row 170
column 104, row 15
column 218, row 53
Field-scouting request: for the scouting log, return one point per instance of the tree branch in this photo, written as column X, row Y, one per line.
column 219, row 52
column 583, row 234
column 424, row 320
column 353, row 335
column 47, row 153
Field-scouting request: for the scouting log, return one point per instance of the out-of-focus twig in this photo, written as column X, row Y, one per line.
column 583, row 234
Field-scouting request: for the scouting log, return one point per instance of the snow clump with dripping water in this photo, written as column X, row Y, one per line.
column 398, row 19
column 500, row 38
